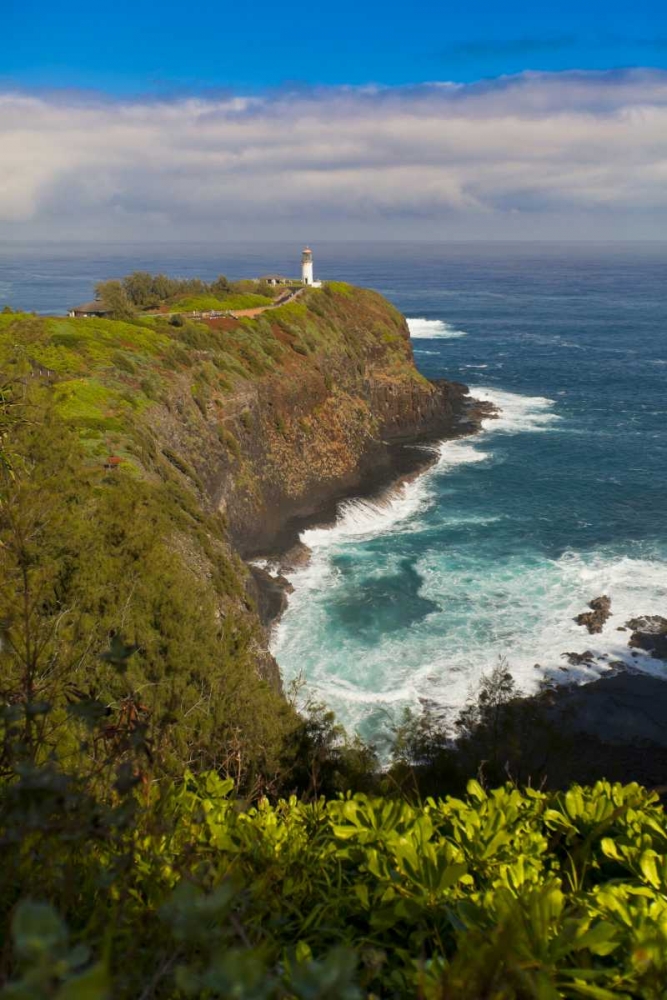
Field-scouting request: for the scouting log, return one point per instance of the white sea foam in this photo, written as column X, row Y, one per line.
column 518, row 609
column 517, row 413
column 360, row 518
column 472, row 609
column 525, row 612
column 459, row 452
column 433, row 329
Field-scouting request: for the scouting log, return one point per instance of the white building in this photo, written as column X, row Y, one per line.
column 307, row 269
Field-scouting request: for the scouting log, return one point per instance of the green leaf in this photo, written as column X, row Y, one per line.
column 609, row 849
column 594, row 992
column 599, row 939
column 361, row 892
column 451, row 875
column 475, row 790
column 303, row 952
column 647, row 863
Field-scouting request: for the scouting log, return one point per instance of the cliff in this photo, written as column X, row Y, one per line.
column 150, row 456
column 331, row 387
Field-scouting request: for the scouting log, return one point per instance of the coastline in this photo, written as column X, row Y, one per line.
column 610, row 726
column 403, row 461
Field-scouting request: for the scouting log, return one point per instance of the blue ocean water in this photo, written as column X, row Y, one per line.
column 491, row 553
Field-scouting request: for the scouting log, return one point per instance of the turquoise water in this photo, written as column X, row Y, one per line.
column 492, row 552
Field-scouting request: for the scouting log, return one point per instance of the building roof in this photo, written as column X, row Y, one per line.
column 89, row 307
column 273, row 277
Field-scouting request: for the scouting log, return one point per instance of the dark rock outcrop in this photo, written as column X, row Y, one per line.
column 595, row 619
column 626, row 708
column 649, row 633
column 270, row 595
column 297, row 557
column 579, row 659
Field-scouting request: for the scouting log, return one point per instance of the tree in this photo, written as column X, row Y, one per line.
column 115, row 299
column 140, row 290
column 437, row 757
column 164, row 287
column 221, row 286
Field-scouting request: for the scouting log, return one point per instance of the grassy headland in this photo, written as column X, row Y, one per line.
column 149, row 846
column 137, row 457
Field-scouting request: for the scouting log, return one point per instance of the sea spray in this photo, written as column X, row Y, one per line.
column 433, row 329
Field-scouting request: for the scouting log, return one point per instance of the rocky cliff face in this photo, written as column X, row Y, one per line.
column 323, row 421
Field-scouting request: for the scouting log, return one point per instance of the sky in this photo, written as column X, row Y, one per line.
column 357, row 119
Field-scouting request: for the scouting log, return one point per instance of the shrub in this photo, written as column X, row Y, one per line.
column 502, row 895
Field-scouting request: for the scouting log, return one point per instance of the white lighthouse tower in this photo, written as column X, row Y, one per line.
column 307, row 266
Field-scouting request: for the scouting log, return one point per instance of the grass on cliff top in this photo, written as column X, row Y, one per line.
column 108, row 371
column 206, row 303
column 102, row 372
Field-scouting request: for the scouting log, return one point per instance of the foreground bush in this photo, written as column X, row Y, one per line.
column 184, row 892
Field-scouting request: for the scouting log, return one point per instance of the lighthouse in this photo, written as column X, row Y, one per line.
column 307, row 266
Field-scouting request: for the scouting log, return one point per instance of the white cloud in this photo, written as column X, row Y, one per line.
column 528, row 155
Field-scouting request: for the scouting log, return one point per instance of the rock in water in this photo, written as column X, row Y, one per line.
column 295, row 558
column 577, row 659
column 597, row 616
column 649, row 633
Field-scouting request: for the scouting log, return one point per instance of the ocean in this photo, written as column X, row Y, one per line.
column 490, row 554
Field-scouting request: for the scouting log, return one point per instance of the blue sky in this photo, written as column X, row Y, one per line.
column 132, row 47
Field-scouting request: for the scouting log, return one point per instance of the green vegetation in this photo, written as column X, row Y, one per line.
column 170, row 825
column 97, row 547
column 204, row 303
column 503, row 895
column 142, row 291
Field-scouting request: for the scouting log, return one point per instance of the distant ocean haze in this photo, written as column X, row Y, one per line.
column 494, row 550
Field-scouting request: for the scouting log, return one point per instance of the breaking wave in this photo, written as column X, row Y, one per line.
column 433, row 329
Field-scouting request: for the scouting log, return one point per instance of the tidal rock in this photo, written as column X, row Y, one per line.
column 649, row 633
column 597, row 616
column 270, row 594
column 295, row 558
column 577, row 659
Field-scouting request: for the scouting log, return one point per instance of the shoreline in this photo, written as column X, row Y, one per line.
column 610, row 726
column 406, row 461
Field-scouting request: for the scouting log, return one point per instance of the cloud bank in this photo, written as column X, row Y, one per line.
column 535, row 155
